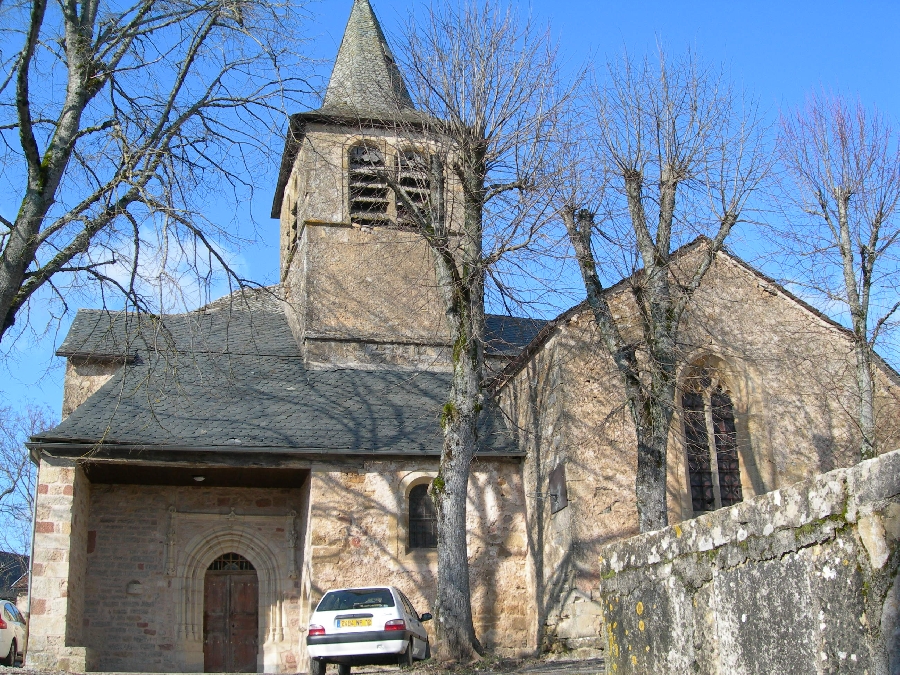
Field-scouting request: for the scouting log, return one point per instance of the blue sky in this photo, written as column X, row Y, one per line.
column 778, row 51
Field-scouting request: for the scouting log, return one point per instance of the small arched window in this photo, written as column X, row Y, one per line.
column 710, row 444
column 422, row 519
column 368, row 189
column 414, row 172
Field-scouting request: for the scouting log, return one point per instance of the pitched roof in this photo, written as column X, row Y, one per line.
column 549, row 328
column 236, row 380
column 365, row 80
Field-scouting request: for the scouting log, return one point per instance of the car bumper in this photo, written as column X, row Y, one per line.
column 363, row 644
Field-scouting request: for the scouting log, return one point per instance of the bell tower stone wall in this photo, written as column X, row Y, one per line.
column 357, row 296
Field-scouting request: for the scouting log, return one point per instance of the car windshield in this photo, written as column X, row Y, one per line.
column 360, row 598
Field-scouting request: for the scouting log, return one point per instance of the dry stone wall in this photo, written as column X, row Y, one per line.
column 801, row 580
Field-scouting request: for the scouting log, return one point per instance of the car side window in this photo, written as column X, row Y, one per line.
column 408, row 605
column 18, row 614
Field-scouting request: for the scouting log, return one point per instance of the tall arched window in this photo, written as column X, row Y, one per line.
column 369, row 197
column 413, row 169
column 422, row 518
column 710, row 444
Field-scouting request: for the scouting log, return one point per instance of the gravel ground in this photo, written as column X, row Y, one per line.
column 547, row 666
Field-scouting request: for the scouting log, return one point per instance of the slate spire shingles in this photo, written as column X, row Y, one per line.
column 365, row 81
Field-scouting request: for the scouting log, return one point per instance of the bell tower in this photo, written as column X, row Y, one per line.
column 360, row 287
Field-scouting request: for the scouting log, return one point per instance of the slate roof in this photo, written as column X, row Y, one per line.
column 236, row 380
column 365, row 80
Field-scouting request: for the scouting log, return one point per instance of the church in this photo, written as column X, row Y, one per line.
column 238, row 461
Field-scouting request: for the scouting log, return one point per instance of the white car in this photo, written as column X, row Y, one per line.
column 365, row 626
column 12, row 634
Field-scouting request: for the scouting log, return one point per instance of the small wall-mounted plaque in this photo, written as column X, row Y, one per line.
column 134, row 588
column 559, row 495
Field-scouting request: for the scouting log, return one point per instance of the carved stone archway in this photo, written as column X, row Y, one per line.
column 224, row 534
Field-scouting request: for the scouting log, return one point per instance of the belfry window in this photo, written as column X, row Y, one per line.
column 368, row 188
column 711, row 445
column 413, row 172
column 422, row 519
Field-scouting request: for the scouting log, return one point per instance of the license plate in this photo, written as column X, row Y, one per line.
column 354, row 623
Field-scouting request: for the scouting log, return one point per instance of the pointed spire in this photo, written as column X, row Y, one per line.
column 365, row 79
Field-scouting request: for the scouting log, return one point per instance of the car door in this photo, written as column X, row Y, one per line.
column 419, row 636
column 17, row 623
column 12, row 630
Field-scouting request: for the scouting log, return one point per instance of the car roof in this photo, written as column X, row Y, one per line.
column 362, row 588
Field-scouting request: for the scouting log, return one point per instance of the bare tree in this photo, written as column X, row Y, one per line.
column 160, row 104
column 488, row 84
column 842, row 178
column 18, row 474
column 676, row 155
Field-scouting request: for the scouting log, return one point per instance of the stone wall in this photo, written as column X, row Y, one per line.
column 58, row 568
column 790, row 375
column 357, row 296
column 147, row 550
column 83, row 378
column 358, row 536
column 801, row 580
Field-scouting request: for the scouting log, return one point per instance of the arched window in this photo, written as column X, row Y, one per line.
column 422, row 518
column 368, row 188
column 231, row 562
column 413, row 169
column 710, row 444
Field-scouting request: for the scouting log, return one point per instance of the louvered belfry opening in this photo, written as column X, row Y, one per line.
column 369, row 197
column 422, row 519
column 710, row 439
column 413, row 170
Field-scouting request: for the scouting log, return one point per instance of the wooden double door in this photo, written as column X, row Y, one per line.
column 230, row 621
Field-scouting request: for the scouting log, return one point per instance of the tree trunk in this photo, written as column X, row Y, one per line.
column 651, row 410
column 652, row 426
column 453, row 609
column 462, row 289
column 866, row 399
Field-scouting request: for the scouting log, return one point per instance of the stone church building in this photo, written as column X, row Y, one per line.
column 217, row 471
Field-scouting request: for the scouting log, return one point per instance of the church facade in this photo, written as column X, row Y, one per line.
column 241, row 460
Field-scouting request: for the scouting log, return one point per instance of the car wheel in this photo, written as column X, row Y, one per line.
column 316, row 667
column 343, row 669
column 10, row 659
column 406, row 658
column 427, row 649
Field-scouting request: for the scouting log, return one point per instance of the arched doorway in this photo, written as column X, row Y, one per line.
column 230, row 616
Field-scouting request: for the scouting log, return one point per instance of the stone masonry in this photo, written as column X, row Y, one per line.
column 801, row 580
column 358, row 533
column 790, row 375
column 59, row 567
